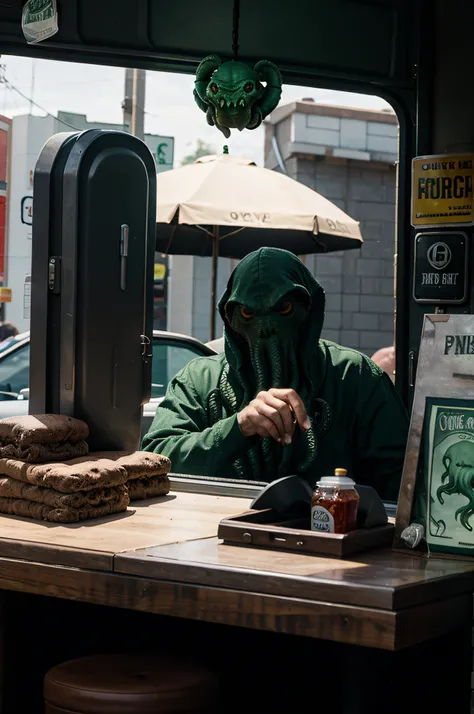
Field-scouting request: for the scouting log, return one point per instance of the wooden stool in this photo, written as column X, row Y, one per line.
column 129, row 684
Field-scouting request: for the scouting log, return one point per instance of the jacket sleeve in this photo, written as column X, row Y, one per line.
column 180, row 431
column 381, row 438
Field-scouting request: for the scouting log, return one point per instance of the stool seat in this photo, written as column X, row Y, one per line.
column 129, row 684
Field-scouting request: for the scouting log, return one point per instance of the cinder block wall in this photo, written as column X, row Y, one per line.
column 359, row 284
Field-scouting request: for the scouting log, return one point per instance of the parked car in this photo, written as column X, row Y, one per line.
column 171, row 352
column 216, row 345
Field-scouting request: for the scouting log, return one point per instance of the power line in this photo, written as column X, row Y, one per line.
column 9, row 85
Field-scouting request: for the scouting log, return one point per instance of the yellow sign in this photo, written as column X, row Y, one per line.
column 441, row 192
column 5, row 294
column 160, row 271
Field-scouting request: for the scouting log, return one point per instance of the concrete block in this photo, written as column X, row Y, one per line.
column 350, row 338
column 364, row 321
column 368, row 267
column 341, row 203
column 333, row 302
column 354, row 154
column 321, row 137
column 351, row 283
column 372, row 230
column 370, row 340
column 331, row 284
column 376, row 249
column 308, row 180
column 387, row 286
column 350, row 304
column 353, row 134
column 332, row 335
column 347, row 320
column 370, row 286
column 388, row 268
column 389, row 229
column 385, row 144
column 328, row 265
column 390, row 192
column 376, row 304
column 298, row 127
column 306, row 166
column 380, row 129
column 333, row 320
column 321, row 122
column 331, row 188
column 387, row 322
column 330, row 171
column 382, row 157
column 362, row 191
column 372, row 211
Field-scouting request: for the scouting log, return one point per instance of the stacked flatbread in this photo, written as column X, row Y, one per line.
column 47, row 437
column 38, row 482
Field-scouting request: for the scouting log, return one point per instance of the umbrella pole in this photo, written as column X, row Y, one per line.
column 215, row 255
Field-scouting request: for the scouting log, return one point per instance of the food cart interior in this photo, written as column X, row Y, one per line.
column 381, row 631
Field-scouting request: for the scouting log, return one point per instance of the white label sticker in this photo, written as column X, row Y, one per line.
column 321, row 520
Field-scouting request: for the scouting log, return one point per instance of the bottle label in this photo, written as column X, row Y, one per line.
column 321, row 520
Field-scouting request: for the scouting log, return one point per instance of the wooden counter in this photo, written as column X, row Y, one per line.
column 163, row 557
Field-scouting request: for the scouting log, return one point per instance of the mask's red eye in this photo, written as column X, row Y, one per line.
column 248, row 87
column 245, row 313
column 214, row 88
column 286, row 308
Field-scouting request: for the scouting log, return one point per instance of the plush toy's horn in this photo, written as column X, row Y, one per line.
column 268, row 72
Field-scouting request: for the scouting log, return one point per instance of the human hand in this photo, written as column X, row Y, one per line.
column 274, row 413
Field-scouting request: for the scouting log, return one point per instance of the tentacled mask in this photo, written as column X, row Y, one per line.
column 459, row 478
column 273, row 311
column 232, row 94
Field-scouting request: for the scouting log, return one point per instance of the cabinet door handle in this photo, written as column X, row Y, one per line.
column 124, row 233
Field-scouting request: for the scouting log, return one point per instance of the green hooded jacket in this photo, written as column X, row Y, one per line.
column 363, row 424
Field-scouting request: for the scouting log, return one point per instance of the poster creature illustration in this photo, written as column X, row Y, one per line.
column 449, row 475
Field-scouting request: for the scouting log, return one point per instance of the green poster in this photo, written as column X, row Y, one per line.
column 449, row 475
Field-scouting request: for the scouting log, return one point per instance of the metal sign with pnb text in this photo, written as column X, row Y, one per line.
column 442, row 190
column 440, row 270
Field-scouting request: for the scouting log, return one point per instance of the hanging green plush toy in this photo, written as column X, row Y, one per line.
column 232, row 94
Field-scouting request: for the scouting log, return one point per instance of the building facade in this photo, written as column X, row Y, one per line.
column 349, row 156
column 29, row 134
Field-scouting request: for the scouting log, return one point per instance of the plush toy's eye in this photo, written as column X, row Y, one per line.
column 214, row 88
column 245, row 313
column 286, row 308
column 248, row 87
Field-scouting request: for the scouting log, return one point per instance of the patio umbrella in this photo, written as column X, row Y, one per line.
column 227, row 206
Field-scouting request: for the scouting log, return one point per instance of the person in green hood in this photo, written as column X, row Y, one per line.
column 280, row 400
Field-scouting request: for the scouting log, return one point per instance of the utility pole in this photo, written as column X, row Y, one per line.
column 134, row 103
column 128, row 100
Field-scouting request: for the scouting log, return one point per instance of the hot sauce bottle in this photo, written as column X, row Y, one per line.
column 334, row 504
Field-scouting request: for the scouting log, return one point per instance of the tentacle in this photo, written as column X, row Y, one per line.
column 257, row 355
column 214, row 407
column 223, row 129
column 465, row 477
column 447, row 488
column 200, row 102
column 255, row 119
column 211, row 115
column 241, row 466
column 311, row 449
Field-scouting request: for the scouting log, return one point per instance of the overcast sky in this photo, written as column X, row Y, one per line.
column 98, row 92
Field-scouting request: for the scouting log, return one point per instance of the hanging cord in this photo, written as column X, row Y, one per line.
column 235, row 29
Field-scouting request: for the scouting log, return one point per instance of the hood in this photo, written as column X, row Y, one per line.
column 260, row 280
